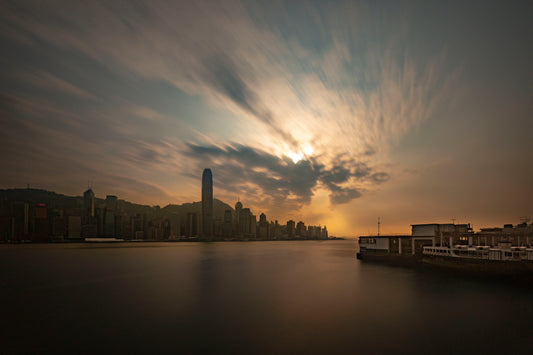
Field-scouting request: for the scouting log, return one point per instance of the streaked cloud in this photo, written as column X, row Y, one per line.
column 216, row 50
column 47, row 81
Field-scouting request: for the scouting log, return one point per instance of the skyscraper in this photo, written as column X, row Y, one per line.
column 88, row 206
column 263, row 229
column 228, row 224
column 109, row 216
column 207, row 203
column 89, row 228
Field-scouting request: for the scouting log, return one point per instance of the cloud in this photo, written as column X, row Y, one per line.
column 48, row 81
column 363, row 81
column 340, row 196
column 238, row 167
column 379, row 177
column 43, row 152
column 226, row 79
column 331, row 88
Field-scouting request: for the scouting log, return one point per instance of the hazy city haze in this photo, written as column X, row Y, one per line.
column 335, row 112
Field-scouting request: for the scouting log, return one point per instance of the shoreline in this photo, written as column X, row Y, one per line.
column 188, row 240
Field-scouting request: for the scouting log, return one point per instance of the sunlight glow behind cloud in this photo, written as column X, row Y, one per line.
column 342, row 102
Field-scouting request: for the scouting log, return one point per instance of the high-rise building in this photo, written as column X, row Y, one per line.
column 301, row 229
column 245, row 221
column 246, row 224
column 175, row 226
column 291, row 230
column 238, row 209
column 263, row 229
column 207, row 203
column 191, row 226
column 275, row 230
column 109, row 216
column 88, row 206
column 41, row 224
column 5, row 221
column 89, row 228
column 137, row 226
column 74, row 227
column 21, row 220
column 253, row 226
column 111, row 203
column 228, row 224
column 324, row 233
column 58, row 224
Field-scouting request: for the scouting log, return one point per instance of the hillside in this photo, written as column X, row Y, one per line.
column 74, row 203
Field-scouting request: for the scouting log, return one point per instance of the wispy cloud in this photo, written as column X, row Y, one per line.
column 344, row 93
column 47, row 81
column 50, row 147
column 332, row 88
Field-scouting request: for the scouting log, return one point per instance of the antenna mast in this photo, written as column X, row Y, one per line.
column 379, row 223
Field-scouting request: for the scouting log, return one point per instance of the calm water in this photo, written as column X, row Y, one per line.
column 254, row 297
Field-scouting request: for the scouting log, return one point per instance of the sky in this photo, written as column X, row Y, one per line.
column 331, row 112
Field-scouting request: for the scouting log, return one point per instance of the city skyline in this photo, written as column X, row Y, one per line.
column 23, row 209
column 333, row 112
column 33, row 215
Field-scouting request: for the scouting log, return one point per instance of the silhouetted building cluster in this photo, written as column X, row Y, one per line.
column 45, row 219
column 242, row 224
column 30, row 221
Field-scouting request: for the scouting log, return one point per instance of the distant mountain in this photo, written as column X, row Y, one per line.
column 73, row 204
column 34, row 196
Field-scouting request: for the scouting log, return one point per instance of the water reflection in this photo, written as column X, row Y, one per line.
column 248, row 297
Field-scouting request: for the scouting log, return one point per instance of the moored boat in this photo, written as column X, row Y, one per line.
column 503, row 260
column 506, row 253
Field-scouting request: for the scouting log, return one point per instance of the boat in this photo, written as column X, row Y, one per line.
column 505, row 252
column 503, row 260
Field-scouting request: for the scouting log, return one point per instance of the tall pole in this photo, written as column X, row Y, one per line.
column 379, row 223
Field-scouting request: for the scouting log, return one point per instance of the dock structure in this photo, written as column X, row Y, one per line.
column 422, row 235
column 493, row 252
column 446, row 235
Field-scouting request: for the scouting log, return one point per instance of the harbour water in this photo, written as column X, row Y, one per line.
column 247, row 297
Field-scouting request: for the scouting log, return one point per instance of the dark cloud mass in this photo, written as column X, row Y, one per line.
column 226, row 78
column 343, row 195
column 239, row 166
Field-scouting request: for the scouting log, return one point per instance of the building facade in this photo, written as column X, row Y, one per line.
column 207, row 203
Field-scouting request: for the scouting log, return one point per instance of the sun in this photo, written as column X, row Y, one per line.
column 296, row 157
column 305, row 150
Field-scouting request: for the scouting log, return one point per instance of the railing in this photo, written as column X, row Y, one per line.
column 483, row 254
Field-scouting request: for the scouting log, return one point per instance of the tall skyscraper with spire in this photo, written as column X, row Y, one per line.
column 207, row 203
